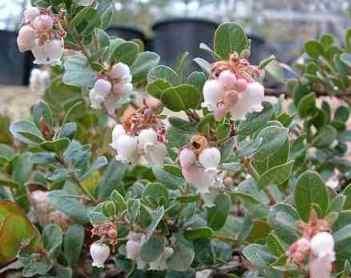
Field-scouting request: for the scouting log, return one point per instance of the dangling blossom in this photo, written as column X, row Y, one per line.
column 140, row 139
column 99, row 252
column 43, row 34
column 133, row 247
column 316, row 246
column 160, row 264
column 110, row 87
column 39, row 80
column 199, row 164
column 233, row 89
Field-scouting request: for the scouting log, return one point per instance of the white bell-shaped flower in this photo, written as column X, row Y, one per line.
column 133, row 249
column 146, row 136
column 26, row 38
column 39, row 80
column 249, row 101
column 117, row 132
column 96, row 99
column 102, row 86
column 209, row 158
column 99, row 252
column 48, row 53
column 30, row 13
column 127, row 148
column 187, row 158
column 322, row 245
column 121, row 72
column 213, row 90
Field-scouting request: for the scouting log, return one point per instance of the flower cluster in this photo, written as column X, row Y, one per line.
column 316, row 245
column 140, row 138
column 233, row 89
column 43, row 34
column 133, row 247
column 199, row 163
column 110, row 86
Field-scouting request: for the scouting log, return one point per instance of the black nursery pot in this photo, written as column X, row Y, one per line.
column 16, row 66
column 127, row 33
column 175, row 36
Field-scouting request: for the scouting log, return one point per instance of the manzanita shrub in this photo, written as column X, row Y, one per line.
column 128, row 168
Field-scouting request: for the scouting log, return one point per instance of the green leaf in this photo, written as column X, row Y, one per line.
column 310, row 190
column 198, row 233
column 143, row 63
column 52, row 238
column 181, row 98
column 126, row 53
column 78, row 72
column 56, row 146
column 133, row 209
column 164, row 73
column 156, row 216
column 314, row 49
column 15, row 231
column 258, row 255
column 342, row 113
column 40, row 111
column 151, row 249
column 197, row 79
column 111, row 179
column 157, row 87
column 346, row 59
column 156, row 194
column 85, row 21
column 73, row 243
column 307, row 105
column 168, row 179
column 229, row 38
column 26, row 132
column 276, row 175
column 182, row 256
column 325, row 136
column 217, row 215
column 119, row 201
column 69, row 205
column 283, row 219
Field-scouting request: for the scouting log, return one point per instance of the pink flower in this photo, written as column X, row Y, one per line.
column 30, row 14
column 26, row 38
column 229, row 94
column 43, row 23
column 299, row 250
column 48, row 53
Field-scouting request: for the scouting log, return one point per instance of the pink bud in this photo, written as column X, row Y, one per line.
column 210, row 158
column 122, row 72
column 43, row 23
column 26, row 38
column 186, row 158
column 227, row 78
column 102, row 86
column 31, row 13
column 240, row 85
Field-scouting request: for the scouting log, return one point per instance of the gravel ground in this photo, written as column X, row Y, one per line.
column 16, row 101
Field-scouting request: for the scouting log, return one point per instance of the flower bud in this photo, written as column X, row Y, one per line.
column 30, row 13
column 187, row 158
column 122, row 72
column 227, row 78
column 210, row 158
column 322, row 244
column 96, row 99
column 146, row 136
column 26, row 38
column 99, row 252
column 43, row 23
column 133, row 249
column 102, row 86
column 48, row 53
column 122, row 88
